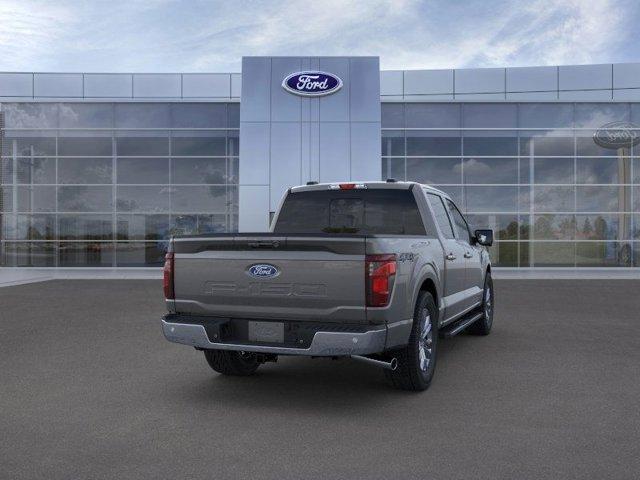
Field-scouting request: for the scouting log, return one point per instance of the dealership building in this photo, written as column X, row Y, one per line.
column 99, row 170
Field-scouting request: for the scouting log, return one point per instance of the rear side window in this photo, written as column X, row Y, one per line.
column 440, row 212
column 364, row 212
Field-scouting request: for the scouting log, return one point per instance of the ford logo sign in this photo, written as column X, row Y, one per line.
column 617, row 135
column 263, row 270
column 312, row 84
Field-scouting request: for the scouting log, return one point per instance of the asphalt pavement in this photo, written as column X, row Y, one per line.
column 89, row 389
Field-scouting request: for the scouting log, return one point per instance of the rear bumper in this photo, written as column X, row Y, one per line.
column 323, row 343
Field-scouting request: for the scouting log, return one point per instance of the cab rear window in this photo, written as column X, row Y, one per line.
column 364, row 212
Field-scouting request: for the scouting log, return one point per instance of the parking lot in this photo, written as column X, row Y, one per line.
column 90, row 389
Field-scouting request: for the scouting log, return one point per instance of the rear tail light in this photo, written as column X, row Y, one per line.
column 167, row 278
column 380, row 274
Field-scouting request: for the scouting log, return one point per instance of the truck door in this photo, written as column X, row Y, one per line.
column 454, row 278
column 473, row 267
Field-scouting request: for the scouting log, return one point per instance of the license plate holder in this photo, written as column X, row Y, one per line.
column 270, row 332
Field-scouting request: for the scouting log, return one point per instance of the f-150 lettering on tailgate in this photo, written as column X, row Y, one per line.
column 266, row 289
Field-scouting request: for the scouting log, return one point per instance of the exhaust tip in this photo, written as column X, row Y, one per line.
column 393, row 365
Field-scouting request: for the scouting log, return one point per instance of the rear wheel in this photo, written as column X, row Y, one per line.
column 417, row 361
column 483, row 326
column 232, row 363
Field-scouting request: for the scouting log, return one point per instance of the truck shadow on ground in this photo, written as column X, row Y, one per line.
column 341, row 386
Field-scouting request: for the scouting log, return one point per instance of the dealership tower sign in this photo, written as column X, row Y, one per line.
column 312, row 83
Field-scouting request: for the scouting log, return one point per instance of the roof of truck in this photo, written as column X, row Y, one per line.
column 398, row 185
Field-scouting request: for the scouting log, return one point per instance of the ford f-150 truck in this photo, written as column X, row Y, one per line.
column 375, row 271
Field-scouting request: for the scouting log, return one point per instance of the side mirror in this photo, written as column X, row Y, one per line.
column 484, row 237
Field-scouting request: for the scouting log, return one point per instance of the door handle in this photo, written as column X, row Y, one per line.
column 451, row 256
column 468, row 254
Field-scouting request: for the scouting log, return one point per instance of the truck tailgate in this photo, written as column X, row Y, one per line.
column 315, row 278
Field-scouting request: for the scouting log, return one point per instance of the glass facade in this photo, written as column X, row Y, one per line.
column 106, row 184
column 531, row 171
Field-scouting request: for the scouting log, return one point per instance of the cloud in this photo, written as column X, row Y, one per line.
column 166, row 35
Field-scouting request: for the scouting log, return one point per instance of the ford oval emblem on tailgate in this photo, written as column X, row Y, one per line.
column 263, row 270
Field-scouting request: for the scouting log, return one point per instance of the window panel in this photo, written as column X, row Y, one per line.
column 199, row 199
column 602, row 226
column 554, row 227
column 553, row 170
column 598, row 114
column 36, row 170
column 86, row 115
column 434, row 170
column 143, row 199
column 545, row 115
column 603, row 199
column 603, row 254
column 6, row 170
column 138, row 254
column 37, row 254
column 233, row 115
column 442, row 143
column 145, row 146
column 142, row 170
column 36, row 199
column 205, row 146
column 85, row 254
column 546, row 144
column 29, row 146
column 490, row 115
column 199, row 115
column 392, row 115
column 85, row 227
column 142, row 115
column 491, row 199
column 392, row 143
column 553, row 254
column 142, row 227
column 636, row 170
column 477, row 144
column 197, row 224
column 85, row 170
column 432, row 115
column 30, row 115
column 6, row 199
column 93, row 146
column 35, row 227
column 199, row 170
column 554, row 199
column 603, row 170
column 85, row 199
column 490, row 170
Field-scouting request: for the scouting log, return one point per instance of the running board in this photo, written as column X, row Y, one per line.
column 459, row 325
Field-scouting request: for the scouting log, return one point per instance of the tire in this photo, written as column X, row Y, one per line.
column 483, row 326
column 417, row 361
column 240, row 364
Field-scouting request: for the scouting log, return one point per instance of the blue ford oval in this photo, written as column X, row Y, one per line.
column 312, row 83
column 263, row 270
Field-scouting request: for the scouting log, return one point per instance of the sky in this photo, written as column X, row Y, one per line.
column 212, row 36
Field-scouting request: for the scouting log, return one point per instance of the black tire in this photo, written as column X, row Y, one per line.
column 483, row 326
column 232, row 363
column 414, row 373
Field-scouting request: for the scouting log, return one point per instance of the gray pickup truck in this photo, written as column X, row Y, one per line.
column 375, row 271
